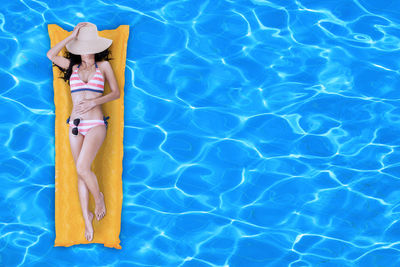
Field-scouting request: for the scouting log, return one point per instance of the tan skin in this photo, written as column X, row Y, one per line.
column 87, row 105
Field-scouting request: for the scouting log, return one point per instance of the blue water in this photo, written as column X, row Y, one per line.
column 257, row 133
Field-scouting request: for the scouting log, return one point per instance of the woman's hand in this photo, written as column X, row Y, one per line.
column 84, row 106
column 76, row 29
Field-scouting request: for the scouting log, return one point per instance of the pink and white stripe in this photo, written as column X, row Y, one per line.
column 95, row 84
column 85, row 125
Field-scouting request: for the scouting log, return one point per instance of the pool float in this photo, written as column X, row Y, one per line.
column 69, row 222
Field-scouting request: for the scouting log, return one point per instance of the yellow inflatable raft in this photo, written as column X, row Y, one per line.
column 107, row 166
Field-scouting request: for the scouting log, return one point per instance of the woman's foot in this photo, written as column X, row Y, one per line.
column 89, row 227
column 100, row 209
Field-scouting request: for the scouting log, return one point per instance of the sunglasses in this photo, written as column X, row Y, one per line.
column 76, row 123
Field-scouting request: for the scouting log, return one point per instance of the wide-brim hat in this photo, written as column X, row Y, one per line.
column 88, row 41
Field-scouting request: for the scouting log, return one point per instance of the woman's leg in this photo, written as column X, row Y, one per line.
column 91, row 144
column 76, row 142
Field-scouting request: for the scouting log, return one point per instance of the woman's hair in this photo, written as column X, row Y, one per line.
column 76, row 59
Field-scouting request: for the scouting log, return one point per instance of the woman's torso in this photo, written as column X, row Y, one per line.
column 93, row 88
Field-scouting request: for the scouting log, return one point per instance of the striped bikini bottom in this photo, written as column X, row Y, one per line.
column 85, row 125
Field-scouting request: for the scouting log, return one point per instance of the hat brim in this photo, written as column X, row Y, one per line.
column 88, row 47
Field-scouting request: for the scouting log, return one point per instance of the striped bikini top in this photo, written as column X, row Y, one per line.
column 96, row 84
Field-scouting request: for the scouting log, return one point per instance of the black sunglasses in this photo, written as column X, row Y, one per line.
column 75, row 129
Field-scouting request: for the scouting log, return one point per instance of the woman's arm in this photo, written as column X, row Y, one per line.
column 112, row 81
column 53, row 52
column 59, row 60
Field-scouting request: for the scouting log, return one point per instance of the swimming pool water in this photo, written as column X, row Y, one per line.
column 257, row 133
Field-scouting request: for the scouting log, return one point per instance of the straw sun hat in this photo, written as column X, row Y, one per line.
column 88, row 41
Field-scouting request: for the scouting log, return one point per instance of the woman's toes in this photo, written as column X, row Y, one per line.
column 89, row 236
column 100, row 207
column 89, row 231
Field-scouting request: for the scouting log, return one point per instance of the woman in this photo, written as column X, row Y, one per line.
column 86, row 67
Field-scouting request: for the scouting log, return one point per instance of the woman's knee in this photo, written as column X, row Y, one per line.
column 81, row 180
column 83, row 170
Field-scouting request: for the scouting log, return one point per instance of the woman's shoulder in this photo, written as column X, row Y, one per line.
column 103, row 65
column 102, row 62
